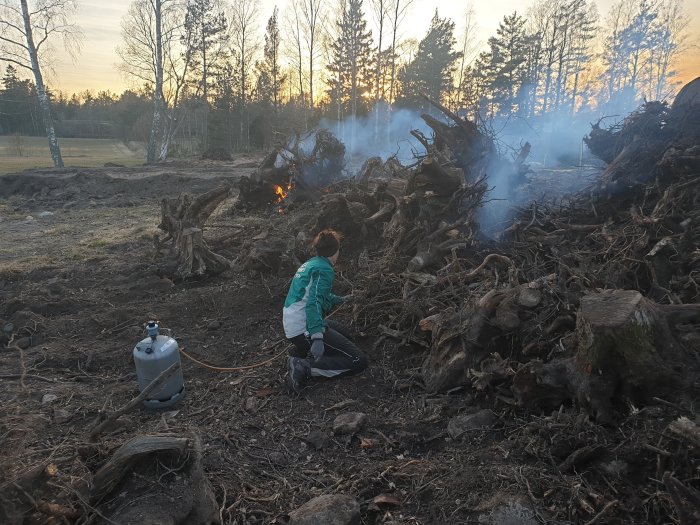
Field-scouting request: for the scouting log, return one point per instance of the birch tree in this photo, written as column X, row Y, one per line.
column 26, row 36
column 152, row 52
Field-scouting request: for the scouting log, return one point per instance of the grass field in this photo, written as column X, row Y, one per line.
column 19, row 153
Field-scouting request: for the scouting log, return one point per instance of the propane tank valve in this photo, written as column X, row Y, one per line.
column 152, row 330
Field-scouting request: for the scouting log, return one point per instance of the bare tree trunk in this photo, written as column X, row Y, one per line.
column 300, row 57
column 398, row 14
column 158, row 103
column 205, row 93
column 44, row 102
column 311, row 20
column 380, row 8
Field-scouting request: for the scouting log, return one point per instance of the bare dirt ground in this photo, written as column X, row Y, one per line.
column 78, row 280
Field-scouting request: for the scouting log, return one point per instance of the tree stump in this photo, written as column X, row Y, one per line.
column 625, row 349
column 183, row 219
column 161, row 478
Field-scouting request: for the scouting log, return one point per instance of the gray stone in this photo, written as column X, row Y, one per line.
column 214, row 325
column 530, row 297
column 349, row 423
column 511, row 513
column 251, row 404
column 278, row 458
column 331, row 509
column 24, row 342
column 48, row 398
column 61, row 416
column 45, row 214
column 8, row 328
column 482, row 420
column 317, row 439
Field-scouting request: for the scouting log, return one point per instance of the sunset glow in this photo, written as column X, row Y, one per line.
column 95, row 69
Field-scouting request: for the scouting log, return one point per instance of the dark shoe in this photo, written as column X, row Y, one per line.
column 299, row 371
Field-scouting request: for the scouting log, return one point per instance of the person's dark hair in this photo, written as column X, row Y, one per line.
column 327, row 243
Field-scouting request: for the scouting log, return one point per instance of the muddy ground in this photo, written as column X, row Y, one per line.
column 78, row 278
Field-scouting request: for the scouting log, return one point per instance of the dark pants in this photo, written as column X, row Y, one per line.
column 340, row 357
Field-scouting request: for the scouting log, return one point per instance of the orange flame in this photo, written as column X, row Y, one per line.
column 281, row 194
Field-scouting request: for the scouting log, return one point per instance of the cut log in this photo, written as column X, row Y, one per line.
column 625, row 349
column 107, row 478
column 183, row 219
column 160, row 479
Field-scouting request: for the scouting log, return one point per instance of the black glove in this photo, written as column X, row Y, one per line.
column 317, row 346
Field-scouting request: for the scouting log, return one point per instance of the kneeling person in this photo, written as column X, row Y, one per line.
column 321, row 348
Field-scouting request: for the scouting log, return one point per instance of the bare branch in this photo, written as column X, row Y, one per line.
column 16, row 62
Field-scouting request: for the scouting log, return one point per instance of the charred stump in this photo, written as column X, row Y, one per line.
column 294, row 172
column 183, row 219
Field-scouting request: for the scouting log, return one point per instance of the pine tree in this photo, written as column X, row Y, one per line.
column 18, row 111
column 205, row 27
column 504, row 67
column 432, row 70
column 225, row 107
column 351, row 65
column 270, row 78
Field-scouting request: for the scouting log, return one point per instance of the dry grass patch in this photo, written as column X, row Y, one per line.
column 19, row 153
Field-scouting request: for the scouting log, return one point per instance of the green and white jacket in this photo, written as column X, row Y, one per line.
column 309, row 298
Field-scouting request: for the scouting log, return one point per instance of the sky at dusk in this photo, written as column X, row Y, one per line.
column 96, row 66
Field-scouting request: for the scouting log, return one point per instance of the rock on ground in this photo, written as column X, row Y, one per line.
column 484, row 419
column 349, row 423
column 331, row 509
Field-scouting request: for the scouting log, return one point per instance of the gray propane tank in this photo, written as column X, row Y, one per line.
column 152, row 356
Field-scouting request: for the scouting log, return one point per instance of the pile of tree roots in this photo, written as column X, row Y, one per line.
column 589, row 304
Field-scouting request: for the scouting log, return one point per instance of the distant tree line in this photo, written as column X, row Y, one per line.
column 209, row 80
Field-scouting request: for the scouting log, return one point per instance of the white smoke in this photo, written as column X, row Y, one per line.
column 559, row 160
column 381, row 133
